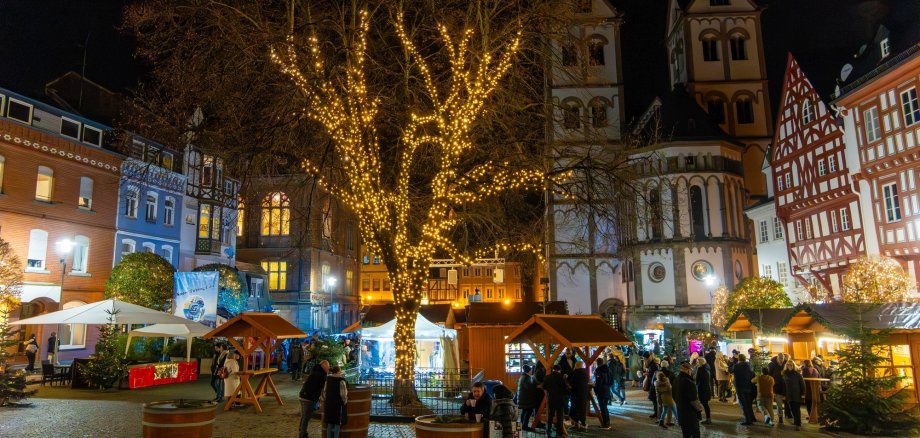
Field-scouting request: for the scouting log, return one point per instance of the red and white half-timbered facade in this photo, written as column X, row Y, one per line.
column 814, row 196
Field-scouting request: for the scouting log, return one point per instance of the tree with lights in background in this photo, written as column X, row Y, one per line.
column 12, row 383
column 751, row 293
column 875, row 280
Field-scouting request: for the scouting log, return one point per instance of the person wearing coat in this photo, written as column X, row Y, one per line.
column 310, row 393
column 618, row 374
column 775, row 367
column 527, row 396
column 745, row 390
column 703, row 381
column 579, row 383
column 503, row 410
column 602, row 387
column 477, row 402
column 232, row 382
column 334, row 399
column 295, row 361
column 689, row 406
column 722, row 376
column 556, row 391
column 651, row 371
column 664, row 389
column 795, row 392
column 217, row 383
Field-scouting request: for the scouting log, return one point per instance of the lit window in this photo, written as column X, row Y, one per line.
column 596, row 50
column 598, row 114
column 45, row 184
column 276, row 215
column 808, row 112
column 80, row 254
column 209, row 224
column 326, row 278
column 166, row 159
column 38, row 250
column 151, row 210
column 738, row 44
column 873, row 129
column 745, row 110
column 169, row 211
column 240, row 217
column 72, row 335
column 777, row 228
column 710, row 49
column 86, row 193
column 892, row 202
column 911, row 108
column 131, row 203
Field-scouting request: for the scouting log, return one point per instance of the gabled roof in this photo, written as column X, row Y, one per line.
column 383, row 313
column 764, row 320
column 256, row 325
column 568, row 331
column 841, row 316
column 514, row 313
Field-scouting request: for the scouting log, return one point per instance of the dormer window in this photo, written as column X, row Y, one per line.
column 886, row 48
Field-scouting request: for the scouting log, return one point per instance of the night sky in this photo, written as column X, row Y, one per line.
column 42, row 39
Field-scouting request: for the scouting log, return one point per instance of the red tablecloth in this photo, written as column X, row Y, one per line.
column 140, row 376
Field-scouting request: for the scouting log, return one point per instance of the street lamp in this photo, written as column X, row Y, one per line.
column 330, row 286
column 64, row 247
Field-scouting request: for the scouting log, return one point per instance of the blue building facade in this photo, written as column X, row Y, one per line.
column 150, row 202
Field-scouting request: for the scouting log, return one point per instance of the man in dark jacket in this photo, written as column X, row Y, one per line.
column 295, row 360
column 335, row 398
column 711, row 361
column 527, row 396
column 579, row 382
column 688, row 406
column 556, row 390
column 503, row 410
column 477, row 403
column 617, row 378
column 220, row 357
column 310, row 393
column 744, row 388
column 775, row 367
column 602, row 385
column 704, row 387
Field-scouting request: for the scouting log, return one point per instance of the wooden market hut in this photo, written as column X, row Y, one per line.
column 784, row 330
column 248, row 332
column 380, row 314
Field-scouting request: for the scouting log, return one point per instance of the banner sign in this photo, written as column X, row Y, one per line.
column 196, row 296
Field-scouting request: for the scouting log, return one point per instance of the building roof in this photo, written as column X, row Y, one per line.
column 379, row 314
column 841, row 316
column 677, row 117
column 514, row 313
column 568, row 331
column 256, row 325
column 764, row 320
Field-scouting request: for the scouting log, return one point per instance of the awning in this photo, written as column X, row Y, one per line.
column 189, row 330
column 101, row 312
column 425, row 330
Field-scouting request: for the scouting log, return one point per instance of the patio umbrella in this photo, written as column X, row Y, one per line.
column 100, row 312
column 187, row 330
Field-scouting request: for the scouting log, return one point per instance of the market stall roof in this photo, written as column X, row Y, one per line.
column 100, row 312
column 257, row 325
column 568, row 331
column 513, row 313
column 770, row 320
column 380, row 314
column 424, row 330
column 894, row 316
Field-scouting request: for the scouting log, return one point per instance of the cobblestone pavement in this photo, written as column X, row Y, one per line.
column 62, row 412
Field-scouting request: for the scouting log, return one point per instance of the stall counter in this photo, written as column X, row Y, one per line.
column 162, row 373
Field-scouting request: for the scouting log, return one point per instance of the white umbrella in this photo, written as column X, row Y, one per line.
column 100, row 312
column 187, row 330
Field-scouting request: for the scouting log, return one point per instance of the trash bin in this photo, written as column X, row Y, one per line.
column 490, row 384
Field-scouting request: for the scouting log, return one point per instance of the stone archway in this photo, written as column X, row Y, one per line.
column 36, row 307
column 611, row 309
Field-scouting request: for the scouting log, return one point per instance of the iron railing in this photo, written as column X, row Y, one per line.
column 440, row 391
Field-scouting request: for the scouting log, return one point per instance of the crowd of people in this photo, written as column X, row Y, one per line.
column 302, row 356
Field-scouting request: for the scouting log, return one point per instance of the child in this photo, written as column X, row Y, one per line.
column 764, row 384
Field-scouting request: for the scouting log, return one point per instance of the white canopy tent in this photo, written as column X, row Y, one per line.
column 188, row 330
column 100, row 312
column 425, row 330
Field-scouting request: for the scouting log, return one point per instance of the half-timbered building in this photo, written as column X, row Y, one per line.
column 814, row 191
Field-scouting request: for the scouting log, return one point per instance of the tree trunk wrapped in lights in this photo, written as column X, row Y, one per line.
column 875, row 280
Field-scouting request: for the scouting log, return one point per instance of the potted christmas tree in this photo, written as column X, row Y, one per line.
column 106, row 369
column 12, row 382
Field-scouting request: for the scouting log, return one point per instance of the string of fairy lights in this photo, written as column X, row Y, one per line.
column 876, row 280
column 348, row 113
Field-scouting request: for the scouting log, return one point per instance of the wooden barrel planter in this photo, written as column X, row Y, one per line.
column 425, row 427
column 179, row 419
column 359, row 412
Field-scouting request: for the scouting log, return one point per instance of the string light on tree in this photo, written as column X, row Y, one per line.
column 876, row 280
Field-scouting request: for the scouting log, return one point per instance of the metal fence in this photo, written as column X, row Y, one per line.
column 440, row 391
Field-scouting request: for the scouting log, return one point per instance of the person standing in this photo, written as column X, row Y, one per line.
column 711, row 361
column 744, row 388
column 52, row 347
column 795, row 392
column 665, row 399
column 651, row 372
column 295, row 360
column 556, row 390
column 579, row 382
column 776, row 366
column 310, row 393
column 232, row 381
column 334, row 399
column 689, row 406
column 703, row 381
column 217, row 383
column 527, row 396
column 503, row 410
column 602, row 388
column 31, row 352
column 722, row 376
column 617, row 378
column 478, row 404
column 765, row 395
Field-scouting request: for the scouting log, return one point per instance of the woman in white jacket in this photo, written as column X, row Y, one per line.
column 232, row 382
column 722, row 377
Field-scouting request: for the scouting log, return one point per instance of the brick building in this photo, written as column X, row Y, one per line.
column 58, row 202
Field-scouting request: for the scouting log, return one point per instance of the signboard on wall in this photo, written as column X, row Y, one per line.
column 196, row 296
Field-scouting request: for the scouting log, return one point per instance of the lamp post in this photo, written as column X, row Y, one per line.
column 330, row 288
column 63, row 247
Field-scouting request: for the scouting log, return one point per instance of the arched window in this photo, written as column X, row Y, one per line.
column 696, row 213
column 808, row 112
column 169, row 211
column 131, row 197
column 72, row 335
column 80, row 255
column 744, row 110
column 596, row 45
column 569, row 55
column 738, row 44
column 715, row 106
column 240, row 217
column 38, row 250
column 571, row 114
column 599, row 109
column 276, row 215
column 710, row 48
column 654, row 212
column 127, row 246
column 150, row 214
column 44, row 186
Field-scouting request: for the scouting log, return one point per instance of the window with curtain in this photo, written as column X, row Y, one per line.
column 72, row 335
column 151, row 207
column 276, row 215
column 169, row 211
column 80, row 255
column 38, row 250
column 86, row 193
column 45, row 184
column 131, row 199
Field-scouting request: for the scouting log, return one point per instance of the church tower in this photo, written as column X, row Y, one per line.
column 715, row 52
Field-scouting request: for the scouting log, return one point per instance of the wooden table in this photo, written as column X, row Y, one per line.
column 246, row 395
column 814, row 387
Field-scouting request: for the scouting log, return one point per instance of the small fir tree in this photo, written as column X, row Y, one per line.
column 12, row 383
column 106, row 368
column 144, row 279
column 864, row 401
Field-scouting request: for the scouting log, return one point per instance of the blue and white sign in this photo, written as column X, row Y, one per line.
column 196, row 296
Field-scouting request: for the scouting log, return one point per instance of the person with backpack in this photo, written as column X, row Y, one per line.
column 334, row 400
column 503, row 410
column 602, row 388
column 310, row 393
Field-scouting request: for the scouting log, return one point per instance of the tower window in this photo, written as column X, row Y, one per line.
column 745, row 110
column 716, row 109
column 596, row 51
column 571, row 116
column 569, row 56
column 738, row 45
column 710, row 49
